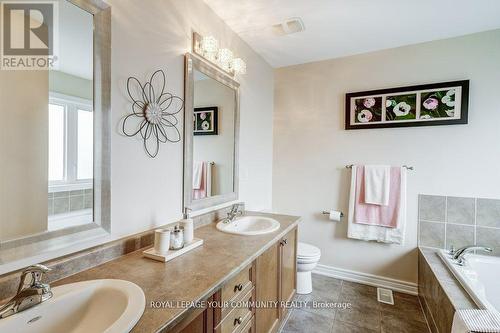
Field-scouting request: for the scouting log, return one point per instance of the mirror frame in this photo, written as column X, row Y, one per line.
column 193, row 62
column 101, row 13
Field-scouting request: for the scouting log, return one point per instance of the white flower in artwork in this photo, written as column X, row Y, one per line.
column 205, row 125
column 365, row 116
column 388, row 103
column 401, row 109
column 203, row 115
column 450, row 113
column 369, row 102
column 449, row 98
column 425, row 116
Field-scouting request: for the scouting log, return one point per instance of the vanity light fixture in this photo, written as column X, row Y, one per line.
column 209, row 46
column 239, row 66
column 223, row 58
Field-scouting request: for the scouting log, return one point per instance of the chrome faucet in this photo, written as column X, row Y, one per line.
column 234, row 212
column 459, row 255
column 31, row 291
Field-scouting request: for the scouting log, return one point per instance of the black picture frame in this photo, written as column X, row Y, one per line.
column 213, row 111
column 418, row 90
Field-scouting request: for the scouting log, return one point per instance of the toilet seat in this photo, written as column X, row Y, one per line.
column 312, row 260
column 308, row 252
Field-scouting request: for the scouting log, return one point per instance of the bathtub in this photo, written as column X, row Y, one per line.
column 480, row 277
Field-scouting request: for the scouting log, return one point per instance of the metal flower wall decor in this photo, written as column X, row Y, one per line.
column 153, row 113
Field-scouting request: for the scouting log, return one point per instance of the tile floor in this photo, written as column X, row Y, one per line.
column 366, row 314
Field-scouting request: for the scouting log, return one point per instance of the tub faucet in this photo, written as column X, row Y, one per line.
column 233, row 213
column 459, row 255
column 31, row 291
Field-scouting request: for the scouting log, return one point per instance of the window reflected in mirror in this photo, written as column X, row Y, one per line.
column 47, row 155
column 70, row 163
column 213, row 137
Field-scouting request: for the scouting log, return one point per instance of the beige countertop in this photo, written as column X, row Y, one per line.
column 191, row 277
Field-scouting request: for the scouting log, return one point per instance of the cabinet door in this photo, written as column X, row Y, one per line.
column 267, row 290
column 197, row 325
column 288, row 249
column 200, row 321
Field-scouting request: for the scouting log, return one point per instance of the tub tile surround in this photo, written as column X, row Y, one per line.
column 77, row 262
column 458, row 221
column 365, row 314
column 439, row 292
column 69, row 201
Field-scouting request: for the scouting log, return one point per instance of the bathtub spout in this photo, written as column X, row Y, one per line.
column 460, row 253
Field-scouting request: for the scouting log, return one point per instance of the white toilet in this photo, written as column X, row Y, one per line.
column 307, row 258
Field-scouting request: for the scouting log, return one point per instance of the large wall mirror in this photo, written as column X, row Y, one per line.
column 54, row 150
column 211, row 125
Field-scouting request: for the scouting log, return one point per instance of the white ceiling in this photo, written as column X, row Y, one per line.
column 336, row 28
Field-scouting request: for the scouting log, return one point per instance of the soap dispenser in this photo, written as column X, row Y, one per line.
column 188, row 225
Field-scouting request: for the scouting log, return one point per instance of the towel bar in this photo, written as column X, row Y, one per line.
column 349, row 166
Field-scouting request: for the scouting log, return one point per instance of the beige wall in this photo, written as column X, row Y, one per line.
column 152, row 34
column 23, row 152
column 311, row 147
column 149, row 35
column 217, row 148
column 67, row 84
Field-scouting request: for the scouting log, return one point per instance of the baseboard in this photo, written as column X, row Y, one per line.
column 369, row 279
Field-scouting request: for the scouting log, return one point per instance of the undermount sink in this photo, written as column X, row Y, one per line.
column 109, row 306
column 249, row 226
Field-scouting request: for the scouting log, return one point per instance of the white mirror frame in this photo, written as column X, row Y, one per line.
column 193, row 62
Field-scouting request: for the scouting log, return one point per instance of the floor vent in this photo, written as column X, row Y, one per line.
column 385, row 296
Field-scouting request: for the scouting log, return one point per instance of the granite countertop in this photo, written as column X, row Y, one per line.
column 191, row 277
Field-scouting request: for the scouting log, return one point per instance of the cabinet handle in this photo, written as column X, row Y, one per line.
column 238, row 287
column 238, row 321
column 285, row 241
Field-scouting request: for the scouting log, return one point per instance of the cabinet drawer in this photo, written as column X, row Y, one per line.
column 237, row 286
column 238, row 317
column 248, row 327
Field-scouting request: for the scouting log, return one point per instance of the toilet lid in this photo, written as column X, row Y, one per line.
column 305, row 250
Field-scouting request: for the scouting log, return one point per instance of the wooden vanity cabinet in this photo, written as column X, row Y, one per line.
column 276, row 281
column 200, row 321
column 288, row 269
column 268, row 290
column 271, row 279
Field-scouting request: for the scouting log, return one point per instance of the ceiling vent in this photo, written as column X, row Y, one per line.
column 289, row 26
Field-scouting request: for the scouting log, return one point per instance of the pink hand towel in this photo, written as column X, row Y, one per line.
column 385, row 216
column 201, row 191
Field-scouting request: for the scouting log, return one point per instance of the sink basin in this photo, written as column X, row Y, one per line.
column 95, row 306
column 249, row 226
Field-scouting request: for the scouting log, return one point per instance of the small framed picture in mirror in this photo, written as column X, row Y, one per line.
column 206, row 120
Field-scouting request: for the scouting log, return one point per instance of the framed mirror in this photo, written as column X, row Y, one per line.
column 211, row 131
column 55, row 147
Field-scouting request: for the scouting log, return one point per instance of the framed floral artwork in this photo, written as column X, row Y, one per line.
column 423, row 105
column 206, row 121
column 368, row 109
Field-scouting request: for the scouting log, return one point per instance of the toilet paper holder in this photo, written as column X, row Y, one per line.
column 328, row 213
